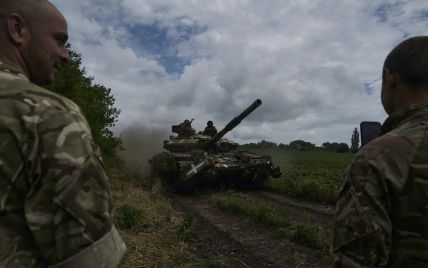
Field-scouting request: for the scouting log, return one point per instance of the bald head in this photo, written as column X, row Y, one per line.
column 33, row 35
column 31, row 10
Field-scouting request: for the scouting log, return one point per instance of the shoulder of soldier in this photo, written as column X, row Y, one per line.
column 399, row 146
column 32, row 99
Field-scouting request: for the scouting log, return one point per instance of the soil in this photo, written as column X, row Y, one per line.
column 226, row 240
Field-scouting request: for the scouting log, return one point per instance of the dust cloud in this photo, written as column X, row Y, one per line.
column 139, row 145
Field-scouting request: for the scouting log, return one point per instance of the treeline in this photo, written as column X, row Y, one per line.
column 299, row 145
column 95, row 101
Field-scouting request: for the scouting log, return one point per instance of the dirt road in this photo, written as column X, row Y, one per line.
column 236, row 241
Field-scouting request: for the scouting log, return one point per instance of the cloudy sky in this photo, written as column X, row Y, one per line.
column 315, row 64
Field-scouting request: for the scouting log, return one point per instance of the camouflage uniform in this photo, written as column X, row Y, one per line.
column 382, row 209
column 210, row 131
column 55, row 198
column 185, row 129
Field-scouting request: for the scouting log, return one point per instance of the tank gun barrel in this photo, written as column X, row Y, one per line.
column 234, row 122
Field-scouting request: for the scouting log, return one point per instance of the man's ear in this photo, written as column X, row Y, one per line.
column 389, row 79
column 17, row 28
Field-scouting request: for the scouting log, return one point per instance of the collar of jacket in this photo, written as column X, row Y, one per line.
column 400, row 117
column 8, row 67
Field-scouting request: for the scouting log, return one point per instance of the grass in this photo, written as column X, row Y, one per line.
column 153, row 232
column 128, row 217
column 304, row 234
column 315, row 176
column 186, row 227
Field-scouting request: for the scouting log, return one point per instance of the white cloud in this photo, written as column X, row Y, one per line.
column 308, row 61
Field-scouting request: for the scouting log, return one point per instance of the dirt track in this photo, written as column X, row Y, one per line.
column 298, row 210
column 235, row 241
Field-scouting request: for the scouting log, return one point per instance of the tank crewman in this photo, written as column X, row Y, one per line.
column 210, row 129
column 56, row 203
column 186, row 129
column 382, row 207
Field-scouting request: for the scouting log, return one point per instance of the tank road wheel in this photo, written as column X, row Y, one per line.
column 259, row 181
column 254, row 180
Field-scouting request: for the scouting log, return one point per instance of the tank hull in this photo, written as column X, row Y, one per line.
column 184, row 173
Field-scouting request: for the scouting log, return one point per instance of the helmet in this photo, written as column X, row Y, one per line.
column 210, row 123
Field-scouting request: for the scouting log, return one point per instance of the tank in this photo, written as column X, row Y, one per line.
column 192, row 161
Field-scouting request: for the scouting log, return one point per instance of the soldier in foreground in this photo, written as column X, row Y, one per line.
column 55, row 199
column 382, row 208
column 210, row 129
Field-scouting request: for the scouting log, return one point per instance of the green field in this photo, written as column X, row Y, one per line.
column 314, row 175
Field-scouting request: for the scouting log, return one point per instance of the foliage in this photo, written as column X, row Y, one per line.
column 301, row 145
column 266, row 144
column 336, row 147
column 128, row 217
column 95, row 101
column 263, row 144
column 298, row 145
column 355, row 140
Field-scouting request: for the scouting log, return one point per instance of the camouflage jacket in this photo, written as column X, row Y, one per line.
column 55, row 198
column 210, row 131
column 382, row 208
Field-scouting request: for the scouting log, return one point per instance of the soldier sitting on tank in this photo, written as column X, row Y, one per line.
column 210, row 129
column 185, row 129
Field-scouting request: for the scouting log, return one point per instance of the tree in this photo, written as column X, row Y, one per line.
column 342, row 148
column 283, row 146
column 301, row 145
column 95, row 100
column 355, row 141
column 336, row 147
column 266, row 144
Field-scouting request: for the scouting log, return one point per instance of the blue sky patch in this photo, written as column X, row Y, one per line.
column 161, row 43
column 384, row 12
column 371, row 86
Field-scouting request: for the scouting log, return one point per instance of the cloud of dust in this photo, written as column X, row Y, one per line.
column 140, row 144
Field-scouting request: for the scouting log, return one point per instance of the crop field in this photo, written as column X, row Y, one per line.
column 313, row 175
column 288, row 223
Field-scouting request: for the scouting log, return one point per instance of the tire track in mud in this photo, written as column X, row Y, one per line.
column 297, row 210
column 235, row 241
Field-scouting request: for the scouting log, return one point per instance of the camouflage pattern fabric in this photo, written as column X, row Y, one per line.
column 185, row 129
column 382, row 208
column 55, row 198
column 210, row 131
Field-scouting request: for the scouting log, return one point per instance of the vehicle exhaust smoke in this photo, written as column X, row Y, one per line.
column 140, row 144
